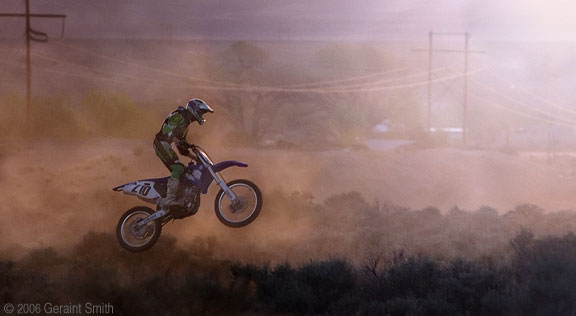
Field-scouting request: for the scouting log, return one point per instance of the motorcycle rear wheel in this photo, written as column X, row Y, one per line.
column 244, row 210
column 137, row 239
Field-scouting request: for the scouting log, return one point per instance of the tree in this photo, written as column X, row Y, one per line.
column 355, row 107
column 251, row 111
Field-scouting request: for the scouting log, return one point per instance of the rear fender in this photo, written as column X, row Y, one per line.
column 144, row 189
column 206, row 178
column 119, row 188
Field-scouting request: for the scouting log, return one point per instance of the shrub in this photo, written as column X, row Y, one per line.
column 545, row 270
column 312, row 289
column 419, row 285
column 98, row 114
column 539, row 278
column 109, row 114
column 52, row 117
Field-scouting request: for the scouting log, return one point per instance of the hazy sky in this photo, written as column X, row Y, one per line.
column 302, row 19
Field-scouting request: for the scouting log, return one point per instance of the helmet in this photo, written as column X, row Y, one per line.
column 197, row 108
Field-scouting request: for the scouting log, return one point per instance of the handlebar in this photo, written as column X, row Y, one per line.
column 193, row 152
column 196, row 152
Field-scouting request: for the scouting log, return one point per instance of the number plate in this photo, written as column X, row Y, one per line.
column 144, row 189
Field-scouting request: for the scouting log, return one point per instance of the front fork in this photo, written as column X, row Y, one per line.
column 221, row 183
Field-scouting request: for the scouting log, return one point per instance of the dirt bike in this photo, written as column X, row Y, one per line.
column 237, row 204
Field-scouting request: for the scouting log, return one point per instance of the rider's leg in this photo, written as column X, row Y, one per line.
column 173, row 184
column 165, row 152
column 170, row 159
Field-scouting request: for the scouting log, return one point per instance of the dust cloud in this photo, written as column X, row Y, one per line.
column 304, row 111
column 55, row 192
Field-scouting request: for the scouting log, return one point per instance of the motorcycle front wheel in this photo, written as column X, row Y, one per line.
column 134, row 238
column 244, row 209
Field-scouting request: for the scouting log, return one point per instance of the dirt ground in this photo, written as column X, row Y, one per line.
column 55, row 191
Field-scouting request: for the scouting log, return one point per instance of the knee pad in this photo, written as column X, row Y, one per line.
column 177, row 170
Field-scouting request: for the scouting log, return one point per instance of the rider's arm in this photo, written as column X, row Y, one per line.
column 183, row 147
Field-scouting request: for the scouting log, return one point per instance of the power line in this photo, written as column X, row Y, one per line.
column 241, row 87
column 376, row 83
column 523, row 114
column 227, row 86
column 121, row 79
column 165, row 72
column 326, row 91
column 343, row 80
column 537, row 97
column 532, row 108
column 232, row 84
column 70, row 74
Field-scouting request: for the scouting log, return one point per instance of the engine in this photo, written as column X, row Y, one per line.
column 190, row 195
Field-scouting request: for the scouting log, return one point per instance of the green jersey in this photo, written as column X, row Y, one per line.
column 175, row 127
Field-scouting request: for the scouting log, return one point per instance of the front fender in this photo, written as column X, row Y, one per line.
column 227, row 164
column 206, row 178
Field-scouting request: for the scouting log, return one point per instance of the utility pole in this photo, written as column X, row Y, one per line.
column 28, row 65
column 429, row 113
column 465, row 101
column 32, row 35
column 466, row 53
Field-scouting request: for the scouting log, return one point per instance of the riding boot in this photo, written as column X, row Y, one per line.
column 171, row 192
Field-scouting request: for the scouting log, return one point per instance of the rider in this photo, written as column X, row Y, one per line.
column 174, row 130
